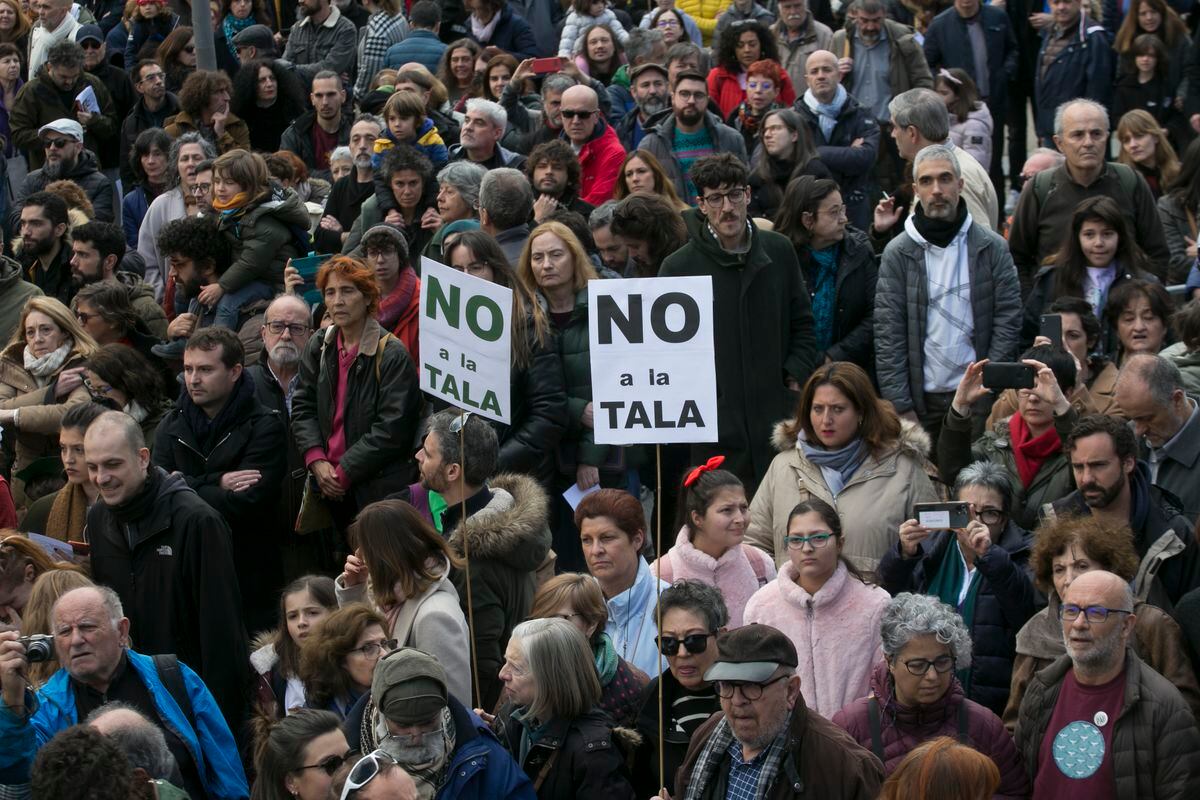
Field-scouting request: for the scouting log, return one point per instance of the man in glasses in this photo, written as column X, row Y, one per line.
column 66, row 158
column 595, row 141
column 154, row 106
column 1098, row 722
column 115, row 79
column 764, row 736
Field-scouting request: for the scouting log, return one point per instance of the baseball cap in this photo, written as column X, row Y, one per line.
column 650, row 65
column 67, row 127
column 92, row 32
column 751, row 653
column 409, row 686
column 256, row 36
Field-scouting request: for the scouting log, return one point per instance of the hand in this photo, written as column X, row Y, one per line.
column 588, row 418
column 394, row 217
column 912, row 533
column 1046, row 388
column 218, row 121
column 524, row 70
column 858, row 142
column 13, row 670
column 887, row 214
column 1040, row 21
column 586, row 476
column 970, row 389
column 83, row 116
column 182, row 326
column 543, row 207
column 68, row 381
column 210, row 295
column 663, row 794
column 329, row 223
column 1191, row 246
column 568, row 67
column 355, row 571
column 327, row 480
column 486, row 717
column 431, row 220
column 974, row 540
column 845, row 65
column 240, row 480
column 292, row 279
column 792, row 385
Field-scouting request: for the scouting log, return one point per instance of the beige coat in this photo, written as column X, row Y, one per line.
column 872, row 504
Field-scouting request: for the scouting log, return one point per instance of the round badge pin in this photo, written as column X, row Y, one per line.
column 1101, row 719
column 1079, row 750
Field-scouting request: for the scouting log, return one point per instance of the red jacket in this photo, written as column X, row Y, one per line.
column 599, row 163
column 725, row 90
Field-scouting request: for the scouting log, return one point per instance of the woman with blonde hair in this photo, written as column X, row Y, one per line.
column 49, row 586
column 641, row 172
column 41, row 375
column 1145, row 148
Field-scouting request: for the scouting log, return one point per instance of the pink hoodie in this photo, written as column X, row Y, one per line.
column 736, row 574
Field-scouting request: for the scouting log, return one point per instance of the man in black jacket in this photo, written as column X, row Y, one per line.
column 115, row 79
column 233, row 452
column 66, row 158
column 350, row 192
column 315, row 134
column 155, row 105
column 169, row 557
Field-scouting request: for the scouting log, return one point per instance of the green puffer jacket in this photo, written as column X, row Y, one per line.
column 263, row 239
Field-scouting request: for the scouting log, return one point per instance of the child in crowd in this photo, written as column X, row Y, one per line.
column 971, row 122
column 404, row 116
column 585, row 13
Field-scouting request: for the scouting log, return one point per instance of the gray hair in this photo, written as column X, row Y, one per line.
column 701, row 599
column 480, row 450
column 374, row 119
column 987, row 475
column 938, row 152
column 490, row 109
column 908, row 616
column 191, row 137
column 110, row 599
column 1058, row 157
column 465, row 176
column 554, row 649
column 341, row 153
column 1061, row 112
column 641, row 43
column 923, row 109
column 602, row 215
column 142, row 742
column 557, row 83
column 507, row 197
column 1161, row 376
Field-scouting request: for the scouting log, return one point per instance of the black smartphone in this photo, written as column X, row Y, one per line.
column 941, row 516
column 1052, row 328
column 1008, row 375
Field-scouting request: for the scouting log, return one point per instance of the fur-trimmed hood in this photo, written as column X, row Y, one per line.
column 262, row 653
column 913, row 441
column 512, row 527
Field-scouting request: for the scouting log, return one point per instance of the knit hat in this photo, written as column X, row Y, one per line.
column 409, row 686
column 392, row 233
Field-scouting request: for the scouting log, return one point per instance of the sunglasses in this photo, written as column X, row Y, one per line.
column 330, row 764
column 57, row 144
column 694, row 643
column 365, row 771
column 572, row 114
column 90, row 44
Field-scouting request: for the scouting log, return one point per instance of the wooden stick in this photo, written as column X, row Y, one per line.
column 658, row 607
column 462, row 454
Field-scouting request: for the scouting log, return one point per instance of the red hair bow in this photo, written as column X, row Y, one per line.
column 713, row 463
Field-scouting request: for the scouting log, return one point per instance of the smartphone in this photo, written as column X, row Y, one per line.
column 544, row 66
column 942, row 515
column 308, row 267
column 1052, row 328
column 1008, row 375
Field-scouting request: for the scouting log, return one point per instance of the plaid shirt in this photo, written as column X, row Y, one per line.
column 381, row 33
column 748, row 780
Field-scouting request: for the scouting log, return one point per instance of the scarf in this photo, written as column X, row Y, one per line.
column 44, row 367
column 837, row 466
column 141, row 504
column 483, row 33
column 708, row 764
column 748, row 121
column 429, row 778
column 824, row 290
column 68, row 515
column 232, row 205
column 606, row 659
column 947, row 586
column 1030, row 453
column 206, row 429
column 393, row 306
column 940, row 232
column 827, row 113
column 233, row 26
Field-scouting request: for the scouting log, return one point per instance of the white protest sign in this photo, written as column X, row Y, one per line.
column 654, row 378
column 465, row 340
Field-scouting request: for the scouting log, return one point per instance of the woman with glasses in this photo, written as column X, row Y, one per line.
column 338, row 658
column 693, row 613
column 299, row 757
column 553, row 725
column 105, row 311
column 784, row 152
column 275, row 659
column 118, row 377
column 177, row 56
column 989, row 559
column 579, row 600
column 825, row 606
column 1065, row 548
column 915, row 695
column 743, row 44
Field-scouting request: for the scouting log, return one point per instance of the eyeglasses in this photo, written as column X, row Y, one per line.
column 414, row 739
column 717, row 200
column 296, row 329
column 329, row 764
column 365, row 771
column 694, row 643
column 84, row 318
column 919, row 666
column 1095, row 614
column 201, row 188
column 457, row 424
column 379, row 252
column 372, row 649
column 667, row 23
column 93, row 389
column 817, row 540
column 56, row 143
column 154, row 77
column 90, row 44
column 750, row 691
column 686, row 95
column 570, row 113
column 990, row 516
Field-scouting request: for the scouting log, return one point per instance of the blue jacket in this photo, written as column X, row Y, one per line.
column 133, row 211
column 948, row 45
column 421, row 46
column 1084, row 68
column 212, row 746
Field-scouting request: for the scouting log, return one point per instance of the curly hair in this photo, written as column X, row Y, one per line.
column 130, row 373
column 198, row 89
column 1108, row 544
column 443, row 69
column 557, row 153
column 81, row 763
column 727, row 47
column 322, row 653
column 652, row 219
column 403, row 157
column 697, row 597
column 909, row 615
column 196, row 238
column 73, row 195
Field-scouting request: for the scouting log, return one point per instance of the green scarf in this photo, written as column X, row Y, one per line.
column 606, row 660
column 437, row 507
column 946, row 584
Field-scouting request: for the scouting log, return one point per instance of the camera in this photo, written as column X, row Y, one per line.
column 38, row 647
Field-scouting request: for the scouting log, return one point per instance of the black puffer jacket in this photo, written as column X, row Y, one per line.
column 854, row 306
column 86, row 175
column 1005, row 601
column 539, row 413
column 587, row 762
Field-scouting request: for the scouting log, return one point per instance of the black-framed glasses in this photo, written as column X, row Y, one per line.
column 201, row 188
column 330, row 764
column 750, row 691
column 919, row 666
column 717, row 199
column 56, row 143
column 296, row 329
column 372, row 649
column 571, row 113
column 990, row 516
column 817, row 540
column 365, row 771
column 1094, row 614
column 84, row 317
column 694, row 643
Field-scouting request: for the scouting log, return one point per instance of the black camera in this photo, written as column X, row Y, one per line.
column 38, row 647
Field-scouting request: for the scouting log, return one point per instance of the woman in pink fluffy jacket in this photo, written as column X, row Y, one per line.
column 713, row 515
column 826, row 608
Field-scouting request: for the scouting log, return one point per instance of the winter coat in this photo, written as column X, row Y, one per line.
column 298, row 136
column 1177, row 226
column 948, row 46
column 263, row 239
column 794, row 53
column 907, row 68
column 15, row 291
column 1045, row 292
column 726, row 92
column 763, row 336
column 512, row 34
column 587, row 761
column 431, row 621
column 143, row 31
column 270, row 684
column 675, row 741
column 737, row 574
column 659, row 139
column 204, row 732
column 236, row 135
column 872, row 504
column 599, row 164
column 820, row 760
column 902, row 728
column 507, row 539
column 852, row 167
column 312, row 48
column 86, row 175
column 1188, row 361
column 575, row 24
column 573, row 351
column 174, row 571
column 39, row 102
column 835, row 631
column 901, row 306
column 370, row 215
column 974, row 134
column 273, row 396
column 141, row 119
column 1005, row 600
column 632, row 623
column 854, row 303
column 538, row 399
column 1083, row 68
column 421, row 46
column 1155, row 742
column 704, row 13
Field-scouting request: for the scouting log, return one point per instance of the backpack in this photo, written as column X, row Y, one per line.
column 1043, row 183
column 171, row 675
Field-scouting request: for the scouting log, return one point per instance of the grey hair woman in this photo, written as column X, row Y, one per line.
column 458, row 191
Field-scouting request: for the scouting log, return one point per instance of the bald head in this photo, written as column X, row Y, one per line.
column 1151, row 393
column 1097, row 646
column 117, row 717
column 821, row 73
column 580, row 113
column 141, row 740
column 1100, row 587
column 116, row 455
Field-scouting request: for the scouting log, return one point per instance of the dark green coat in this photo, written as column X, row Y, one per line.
column 575, row 353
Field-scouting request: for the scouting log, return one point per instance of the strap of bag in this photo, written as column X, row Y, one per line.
column 876, row 730
column 171, row 675
column 544, row 771
column 379, row 355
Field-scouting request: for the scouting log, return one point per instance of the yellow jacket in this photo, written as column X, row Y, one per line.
column 705, row 13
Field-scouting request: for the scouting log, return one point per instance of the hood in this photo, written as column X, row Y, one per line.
column 136, row 287
column 512, row 527
column 1176, row 353
column 10, row 273
column 262, row 653
column 920, row 721
column 86, row 165
column 1041, row 637
column 913, row 441
column 285, row 206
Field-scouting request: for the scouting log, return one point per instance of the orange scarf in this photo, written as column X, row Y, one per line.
column 237, row 201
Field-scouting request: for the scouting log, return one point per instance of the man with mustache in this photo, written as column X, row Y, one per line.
column 1115, row 485
column 648, row 87
column 66, row 158
column 1098, row 722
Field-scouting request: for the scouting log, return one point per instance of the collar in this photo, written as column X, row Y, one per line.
column 291, row 384
column 475, row 503
column 114, row 679
column 335, row 14
column 1187, row 427
column 624, row 601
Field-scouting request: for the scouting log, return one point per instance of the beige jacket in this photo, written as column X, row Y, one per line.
column 872, row 504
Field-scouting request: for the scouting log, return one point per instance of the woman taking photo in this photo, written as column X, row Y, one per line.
column 354, row 414
column 711, row 519
column 40, row 377
column 303, row 605
column 598, row 53
column 641, row 172
column 826, row 607
column 338, row 657
column 916, row 695
column 762, row 91
column 1146, row 149
column 560, row 737
column 268, row 98
column 298, row 757
column 204, row 108
column 405, row 566
column 10, row 83
column 785, row 152
column 849, row 447
column 176, row 55
column 741, row 45
column 118, row 377
column 456, row 70
column 62, row 514
column 1179, row 210
column 839, row 267
column 151, row 171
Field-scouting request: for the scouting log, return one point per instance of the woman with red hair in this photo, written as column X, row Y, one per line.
column 357, row 405
column 764, row 83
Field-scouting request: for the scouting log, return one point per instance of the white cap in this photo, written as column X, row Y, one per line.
column 67, row 127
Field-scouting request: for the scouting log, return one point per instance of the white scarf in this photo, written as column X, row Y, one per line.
column 44, row 367
column 827, row 113
column 135, row 410
column 483, row 33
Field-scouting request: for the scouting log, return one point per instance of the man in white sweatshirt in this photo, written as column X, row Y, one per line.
column 55, row 23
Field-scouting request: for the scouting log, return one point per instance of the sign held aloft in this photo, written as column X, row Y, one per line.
column 654, row 378
column 465, row 336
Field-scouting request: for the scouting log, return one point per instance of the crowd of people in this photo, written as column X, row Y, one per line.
column 945, row 542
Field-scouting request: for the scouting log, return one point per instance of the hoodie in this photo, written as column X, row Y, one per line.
column 14, row 291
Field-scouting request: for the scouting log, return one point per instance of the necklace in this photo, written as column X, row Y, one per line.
column 625, row 627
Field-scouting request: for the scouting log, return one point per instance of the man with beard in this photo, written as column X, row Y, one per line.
column 947, row 296
column 447, row 749
column 349, row 193
column 315, row 134
column 479, row 139
column 154, row 106
column 96, row 252
column 196, row 255
column 648, row 86
column 44, row 250
column 553, row 172
column 1114, row 485
column 799, row 34
column 66, row 158
column 1098, row 722
column 612, row 250
column 115, row 79
column 322, row 40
